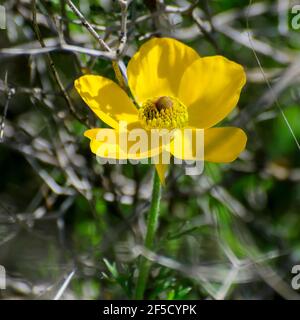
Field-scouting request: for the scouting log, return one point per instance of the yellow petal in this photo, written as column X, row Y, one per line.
column 118, row 144
column 211, row 88
column 220, row 145
column 161, row 170
column 110, row 103
column 156, row 69
column 188, row 144
column 223, row 144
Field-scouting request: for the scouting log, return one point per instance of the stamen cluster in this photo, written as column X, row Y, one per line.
column 163, row 113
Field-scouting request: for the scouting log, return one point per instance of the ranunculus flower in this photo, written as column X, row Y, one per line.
column 173, row 88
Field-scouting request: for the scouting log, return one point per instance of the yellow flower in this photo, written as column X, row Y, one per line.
column 174, row 88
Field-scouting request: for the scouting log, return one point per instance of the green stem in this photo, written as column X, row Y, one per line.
column 144, row 264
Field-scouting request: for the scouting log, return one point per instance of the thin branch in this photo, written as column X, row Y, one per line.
column 123, row 35
column 52, row 67
column 58, row 48
column 88, row 26
column 182, row 10
column 63, row 288
column 9, row 94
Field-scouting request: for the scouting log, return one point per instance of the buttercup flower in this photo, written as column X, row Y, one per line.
column 173, row 88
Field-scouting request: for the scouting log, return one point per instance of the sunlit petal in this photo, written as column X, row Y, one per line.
column 156, row 69
column 211, row 88
column 215, row 145
column 110, row 103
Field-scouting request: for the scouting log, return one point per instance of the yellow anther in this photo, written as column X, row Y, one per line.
column 163, row 113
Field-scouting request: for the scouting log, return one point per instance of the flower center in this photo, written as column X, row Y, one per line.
column 163, row 113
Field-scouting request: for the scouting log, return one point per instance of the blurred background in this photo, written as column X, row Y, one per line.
column 70, row 227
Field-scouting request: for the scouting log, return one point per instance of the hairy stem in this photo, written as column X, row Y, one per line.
column 144, row 264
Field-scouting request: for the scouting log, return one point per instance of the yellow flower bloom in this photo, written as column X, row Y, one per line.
column 174, row 88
